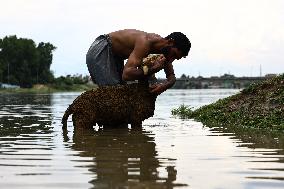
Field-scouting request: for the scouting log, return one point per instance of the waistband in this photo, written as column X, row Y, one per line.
column 105, row 37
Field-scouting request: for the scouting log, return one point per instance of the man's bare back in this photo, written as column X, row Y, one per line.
column 123, row 41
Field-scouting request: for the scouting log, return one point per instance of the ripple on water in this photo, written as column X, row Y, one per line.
column 167, row 153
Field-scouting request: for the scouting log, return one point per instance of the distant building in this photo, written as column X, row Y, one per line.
column 224, row 81
column 270, row 75
column 227, row 76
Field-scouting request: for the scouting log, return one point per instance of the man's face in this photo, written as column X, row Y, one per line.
column 171, row 53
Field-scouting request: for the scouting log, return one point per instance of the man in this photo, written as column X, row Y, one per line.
column 105, row 58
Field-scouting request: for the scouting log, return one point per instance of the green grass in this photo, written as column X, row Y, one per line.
column 260, row 106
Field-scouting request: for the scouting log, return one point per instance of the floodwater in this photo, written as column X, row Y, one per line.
column 168, row 153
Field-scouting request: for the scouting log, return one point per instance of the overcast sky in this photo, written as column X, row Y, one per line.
column 228, row 36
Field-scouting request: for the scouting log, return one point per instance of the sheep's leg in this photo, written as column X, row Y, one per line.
column 123, row 125
column 136, row 125
column 118, row 125
column 81, row 131
column 81, row 121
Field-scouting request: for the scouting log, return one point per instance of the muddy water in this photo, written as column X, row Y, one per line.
column 167, row 153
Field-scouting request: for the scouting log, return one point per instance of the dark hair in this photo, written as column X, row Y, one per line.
column 180, row 41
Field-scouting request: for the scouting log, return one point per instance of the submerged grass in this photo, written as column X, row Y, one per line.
column 259, row 106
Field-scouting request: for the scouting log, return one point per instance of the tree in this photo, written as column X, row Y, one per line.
column 43, row 72
column 183, row 76
column 23, row 63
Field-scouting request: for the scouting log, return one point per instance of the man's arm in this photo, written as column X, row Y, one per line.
column 131, row 71
column 171, row 79
column 141, row 50
column 170, row 75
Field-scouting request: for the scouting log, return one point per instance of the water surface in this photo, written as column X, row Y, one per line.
column 167, row 153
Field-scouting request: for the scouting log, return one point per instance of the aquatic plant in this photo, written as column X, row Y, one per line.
column 183, row 111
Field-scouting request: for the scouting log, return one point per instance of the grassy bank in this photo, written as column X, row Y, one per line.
column 49, row 88
column 259, row 106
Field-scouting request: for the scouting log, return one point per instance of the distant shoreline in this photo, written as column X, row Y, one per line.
column 49, row 88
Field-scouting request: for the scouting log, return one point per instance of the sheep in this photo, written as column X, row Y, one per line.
column 115, row 105
column 112, row 105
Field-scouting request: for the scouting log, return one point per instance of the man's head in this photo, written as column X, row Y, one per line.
column 179, row 45
column 180, row 41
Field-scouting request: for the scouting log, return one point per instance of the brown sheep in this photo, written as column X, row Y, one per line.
column 112, row 105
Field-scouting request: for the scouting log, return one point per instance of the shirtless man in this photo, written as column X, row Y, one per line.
column 105, row 58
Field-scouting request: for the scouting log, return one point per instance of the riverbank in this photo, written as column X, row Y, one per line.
column 49, row 88
column 259, row 106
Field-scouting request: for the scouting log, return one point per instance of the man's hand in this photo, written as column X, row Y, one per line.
column 158, row 65
column 157, row 88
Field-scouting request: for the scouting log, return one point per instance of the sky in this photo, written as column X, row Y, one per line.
column 239, row 37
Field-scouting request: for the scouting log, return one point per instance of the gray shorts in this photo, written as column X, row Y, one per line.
column 104, row 67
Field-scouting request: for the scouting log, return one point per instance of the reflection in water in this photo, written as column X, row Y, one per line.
column 253, row 138
column 167, row 153
column 122, row 157
column 25, row 137
column 24, row 114
column 268, row 148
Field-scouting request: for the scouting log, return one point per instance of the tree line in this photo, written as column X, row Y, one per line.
column 24, row 63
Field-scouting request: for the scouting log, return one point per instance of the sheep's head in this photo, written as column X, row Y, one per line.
column 149, row 61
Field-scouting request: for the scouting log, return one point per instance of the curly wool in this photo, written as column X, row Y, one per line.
column 112, row 105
